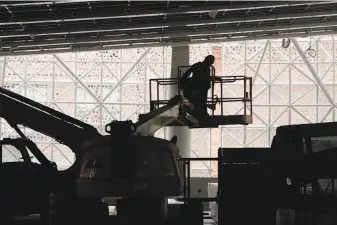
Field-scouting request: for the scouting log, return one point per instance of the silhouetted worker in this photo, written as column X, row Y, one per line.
column 195, row 87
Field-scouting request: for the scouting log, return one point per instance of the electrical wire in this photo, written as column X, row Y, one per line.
column 310, row 52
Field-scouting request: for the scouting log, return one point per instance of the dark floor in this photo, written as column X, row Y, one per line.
column 35, row 220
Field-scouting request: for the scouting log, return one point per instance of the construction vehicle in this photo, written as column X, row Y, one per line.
column 64, row 129
column 296, row 174
column 128, row 163
column 143, row 197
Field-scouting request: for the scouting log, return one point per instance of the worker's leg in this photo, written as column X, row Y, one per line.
column 188, row 94
column 200, row 103
column 203, row 102
column 212, row 105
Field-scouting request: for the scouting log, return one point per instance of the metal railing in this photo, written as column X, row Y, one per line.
column 156, row 85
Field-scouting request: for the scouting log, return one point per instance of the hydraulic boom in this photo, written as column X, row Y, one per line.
column 19, row 110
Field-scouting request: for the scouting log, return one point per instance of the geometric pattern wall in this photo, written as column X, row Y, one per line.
column 100, row 86
column 95, row 87
column 284, row 89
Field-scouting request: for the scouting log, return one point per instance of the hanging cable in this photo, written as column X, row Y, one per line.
column 286, row 41
column 310, row 52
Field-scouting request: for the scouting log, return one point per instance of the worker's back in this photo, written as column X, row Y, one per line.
column 200, row 75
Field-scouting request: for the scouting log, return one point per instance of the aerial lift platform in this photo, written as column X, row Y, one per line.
column 171, row 111
column 162, row 85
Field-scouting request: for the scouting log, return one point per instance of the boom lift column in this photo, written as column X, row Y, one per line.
column 180, row 56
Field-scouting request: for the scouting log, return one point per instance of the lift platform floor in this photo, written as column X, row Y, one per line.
column 213, row 121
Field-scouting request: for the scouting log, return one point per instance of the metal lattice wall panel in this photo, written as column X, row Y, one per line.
column 95, row 87
column 98, row 87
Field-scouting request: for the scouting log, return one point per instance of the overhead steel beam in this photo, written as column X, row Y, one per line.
column 155, row 12
column 142, row 24
column 75, row 77
column 160, row 44
column 195, row 34
column 29, row 3
column 312, row 71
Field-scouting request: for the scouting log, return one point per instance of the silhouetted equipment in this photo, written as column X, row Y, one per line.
column 128, row 163
column 142, row 169
column 19, row 110
column 297, row 172
column 128, row 166
column 20, row 179
column 141, row 148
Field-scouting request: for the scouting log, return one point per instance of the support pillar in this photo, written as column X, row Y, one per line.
column 2, row 81
column 2, row 72
column 180, row 57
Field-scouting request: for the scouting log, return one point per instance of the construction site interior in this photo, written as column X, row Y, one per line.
column 104, row 118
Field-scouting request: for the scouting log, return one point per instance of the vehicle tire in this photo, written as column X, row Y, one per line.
column 83, row 213
column 6, row 219
column 285, row 217
column 45, row 217
column 301, row 217
column 93, row 213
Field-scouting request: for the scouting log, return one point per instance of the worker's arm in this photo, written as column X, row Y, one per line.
column 216, row 78
column 213, row 78
column 188, row 72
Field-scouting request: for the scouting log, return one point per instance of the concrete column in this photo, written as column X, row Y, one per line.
column 2, row 72
column 180, row 57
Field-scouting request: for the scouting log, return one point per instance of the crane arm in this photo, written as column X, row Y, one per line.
column 149, row 123
column 19, row 110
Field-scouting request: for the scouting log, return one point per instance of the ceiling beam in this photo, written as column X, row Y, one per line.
column 84, row 49
column 29, row 4
column 110, row 14
column 80, row 46
column 144, row 25
column 210, row 33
